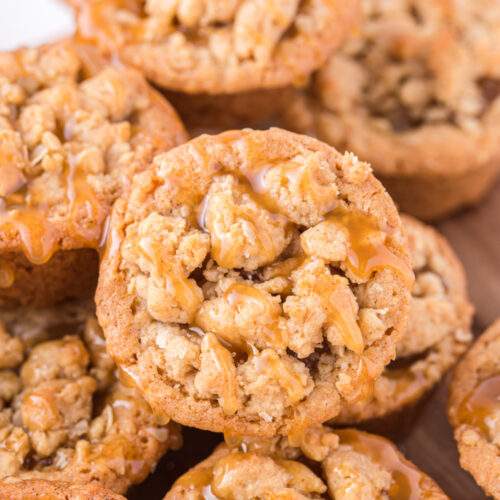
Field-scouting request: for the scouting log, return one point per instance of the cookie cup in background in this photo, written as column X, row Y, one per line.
column 474, row 410
column 327, row 463
column 73, row 131
column 417, row 94
column 66, row 415
column 438, row 333
column 216, row 47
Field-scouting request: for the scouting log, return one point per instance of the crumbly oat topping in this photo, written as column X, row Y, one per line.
column 71, row 134
column 329, row 464
column 218, row 46
column 248, row 286
column 438, row 329
column 64, row 415
column 418, row 63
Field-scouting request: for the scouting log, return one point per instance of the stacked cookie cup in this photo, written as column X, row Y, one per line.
column 258, row 284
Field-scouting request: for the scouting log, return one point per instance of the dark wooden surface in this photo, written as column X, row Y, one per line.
column 427, row 440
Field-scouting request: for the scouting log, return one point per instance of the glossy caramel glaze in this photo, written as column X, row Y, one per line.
column 481, row 403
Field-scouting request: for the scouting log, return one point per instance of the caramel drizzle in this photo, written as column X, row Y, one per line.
column 223, row 361
column 7, row 274
column 408, row 482
column 364, row 256
column 199, row 479
column 339, row 312
column 185, row 290
column 97, row 24
column 38, row 237
column 210, row 482
column 480, row 404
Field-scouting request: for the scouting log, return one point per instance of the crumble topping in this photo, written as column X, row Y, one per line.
column 69, row 141
column 265, row 274
column 346, row 465
column 439, row 60
column 63, row 412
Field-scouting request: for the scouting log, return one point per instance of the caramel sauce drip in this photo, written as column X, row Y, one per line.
column 83, row 201
column 408, row 482
column 271, row 364
column 97, row 23
column 339, row 311
column 39, row 241
column 38, row 236
column 198, row 479
column 223, row 361
column 367, row 252
column 185, row 290
column 480, row 404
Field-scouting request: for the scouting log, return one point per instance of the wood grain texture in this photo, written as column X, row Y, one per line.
column 427, row 438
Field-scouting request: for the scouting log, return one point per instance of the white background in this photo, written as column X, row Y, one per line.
column 31, row 22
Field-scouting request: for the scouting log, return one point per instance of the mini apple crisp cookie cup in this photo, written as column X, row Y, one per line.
column 66, row 416
column 327, row 464
column 416, row 94
column 474, row 410
column 73, row 130
column 254, row 281
column 218, row 46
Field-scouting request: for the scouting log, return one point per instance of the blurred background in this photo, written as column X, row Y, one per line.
column 30, row 22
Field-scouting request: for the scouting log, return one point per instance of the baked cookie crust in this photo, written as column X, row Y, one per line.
column 73, row 130
column 38, row 489
column 474, row 410
column 327, row 463
column 65, row 415
column 254, row 281
column 438, row 332
column 218, row 46
column 417, row 95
